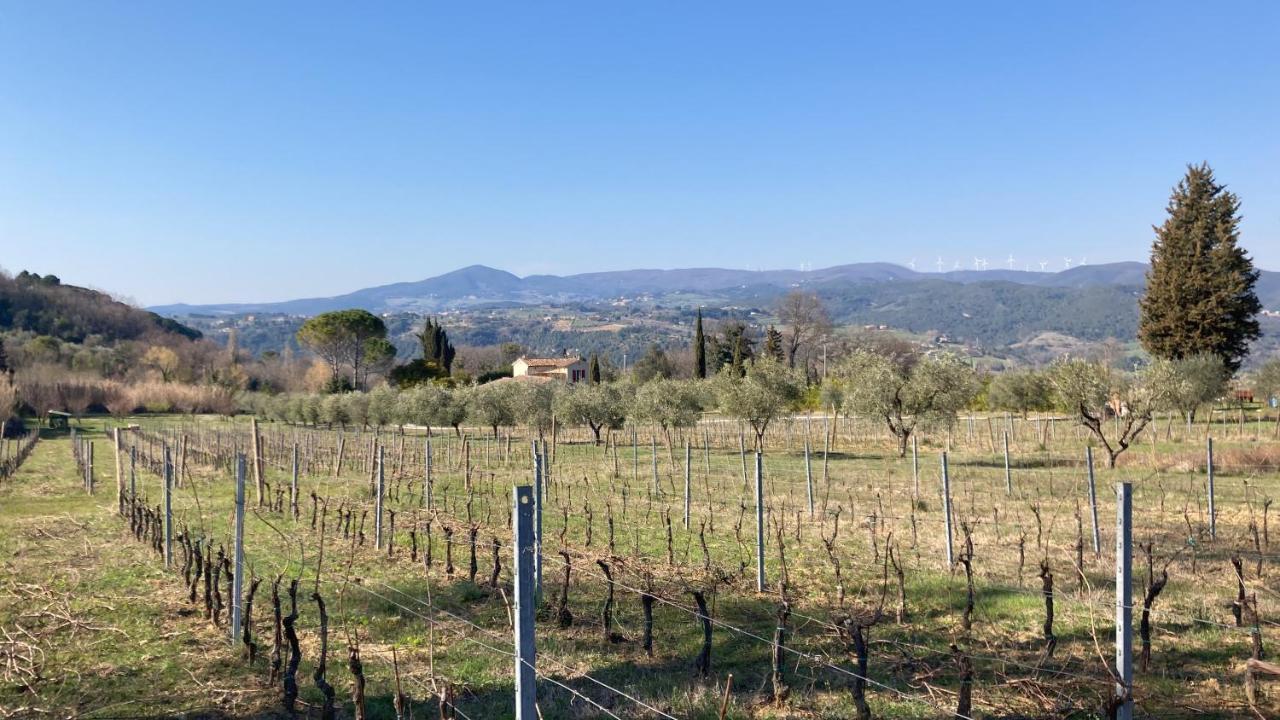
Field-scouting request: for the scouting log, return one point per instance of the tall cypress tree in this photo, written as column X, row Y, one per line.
column 739, row 368
column 428, row 338
column 446, row 349
column 594, row 371
column 436, row 346
column 773, row 344
column 1200, row 289
column 699, row 349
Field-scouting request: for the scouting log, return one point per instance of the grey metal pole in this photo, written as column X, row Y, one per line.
column 119, row 467
column 1124, row 600
column 946, row 510
column 537, row 525
column 653, row 454
column 688, row 463
column 377, row 503
column 1093, row 502
column 706, row 451
column 133, row 472
column 759, row 521
column 808, row 473
column 168, row 508
column 526, row 654
column 915, row 463
column 426, row 471
column 1212, row 510
column 1008, row 477
column 293, row 487
column 88, row 468
column 237, row 580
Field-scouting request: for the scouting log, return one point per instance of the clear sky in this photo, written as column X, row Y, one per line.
column 262, row 151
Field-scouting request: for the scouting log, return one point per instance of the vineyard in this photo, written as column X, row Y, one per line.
column 678, row 574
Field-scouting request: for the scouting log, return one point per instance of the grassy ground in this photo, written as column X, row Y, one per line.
column 112, row 634
column 93, row 626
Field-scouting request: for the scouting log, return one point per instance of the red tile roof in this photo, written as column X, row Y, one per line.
column 551, row 362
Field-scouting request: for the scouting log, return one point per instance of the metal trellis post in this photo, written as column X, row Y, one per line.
column 522, row 512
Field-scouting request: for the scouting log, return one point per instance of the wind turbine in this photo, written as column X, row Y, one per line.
column 977, row 263
column 1066, row 261
column 1084, row 260
column 939, row 263
column 912, row 264
column 1010, row 261
column 1043, row 265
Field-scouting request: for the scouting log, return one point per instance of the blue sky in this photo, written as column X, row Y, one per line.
column 264, row 151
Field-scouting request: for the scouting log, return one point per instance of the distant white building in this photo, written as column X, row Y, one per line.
column 567, row 369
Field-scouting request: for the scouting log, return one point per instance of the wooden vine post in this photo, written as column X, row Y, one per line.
column 688, row 468
column 1213, row 514
column 115, row 442
column 1093, row 503
column 946, row 512
column 256, row 446
column 1008, row 477
column 380, row 490
column 293, row 485
column 426, row 473
column 237, row 579
column 168, row 508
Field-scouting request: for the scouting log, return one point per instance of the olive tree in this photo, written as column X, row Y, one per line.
column 333, row 411
column 768, row 389
column 492, row 405
column 433, row 405
column 534, row 403
column 1190, row 382
column 905, row 390
column 357, row 406
column 382, row 406
column 597, row 406
column 1021, row 391
column 1266, row 382
column 668, row 404
column 1094, row 392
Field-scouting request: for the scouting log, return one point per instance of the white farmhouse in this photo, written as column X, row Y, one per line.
column 566, row 369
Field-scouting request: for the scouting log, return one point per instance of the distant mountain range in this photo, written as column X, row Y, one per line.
column 1033, row 316
column 480, row 285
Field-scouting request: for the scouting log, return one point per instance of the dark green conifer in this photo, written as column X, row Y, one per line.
column 699, row 349
column 1200, row 289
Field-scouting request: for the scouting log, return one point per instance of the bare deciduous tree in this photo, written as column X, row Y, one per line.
column 806, row 320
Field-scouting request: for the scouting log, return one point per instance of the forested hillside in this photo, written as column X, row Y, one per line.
column 44, row 306
column 989, row 313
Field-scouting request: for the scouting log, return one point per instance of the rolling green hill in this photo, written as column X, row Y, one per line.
column 44, row 306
